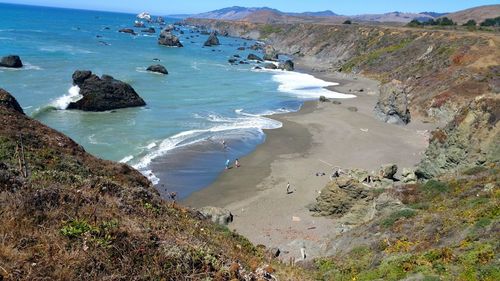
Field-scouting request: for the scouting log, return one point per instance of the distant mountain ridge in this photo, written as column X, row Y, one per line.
column 266, row 14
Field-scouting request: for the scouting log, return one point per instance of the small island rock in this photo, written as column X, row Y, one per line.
column 157, row 68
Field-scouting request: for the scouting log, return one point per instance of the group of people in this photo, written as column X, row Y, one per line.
column 228, row 162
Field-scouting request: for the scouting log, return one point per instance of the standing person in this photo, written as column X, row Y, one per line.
column 237, row 163
column 227, row 164
column 288, row 191
column 224, row 145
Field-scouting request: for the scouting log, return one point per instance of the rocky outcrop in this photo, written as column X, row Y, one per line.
column 218, row 215
column 168, row 39
column 254, row 57
column 212, row 40
column 9, row 102
column 270, row 53
column 387, row 171
column 339, row 196
column 105, row 93
column 471, row 139
column 157, row 68
column 286, row 65
column 11, row 61
column 127, row 30
column 392, row 106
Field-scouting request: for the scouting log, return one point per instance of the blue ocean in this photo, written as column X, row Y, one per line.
column 176, row 140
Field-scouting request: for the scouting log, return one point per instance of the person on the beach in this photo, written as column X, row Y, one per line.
column 237, row 163
column 227, row 164
column 224, row 146
column 288, row 191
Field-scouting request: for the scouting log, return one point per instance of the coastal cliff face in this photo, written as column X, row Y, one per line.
column 442, row 70
column 67, row 215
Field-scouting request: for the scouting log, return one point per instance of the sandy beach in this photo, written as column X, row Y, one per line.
column 321, row 136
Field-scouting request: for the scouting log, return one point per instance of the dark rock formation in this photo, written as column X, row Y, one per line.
column 127, row 30
column 11, row 61
column 254, row 57
column 323, row 99
column 471, row 139
column 286, row 65
column 157, row 68
column 232, row 60
column 105, row 93
column 270, row 66
column 168, row 39
column 149, row 30
column 8, row 101
column 212, row 40
column 241, row 48
column 388, row 171
column 392, row 106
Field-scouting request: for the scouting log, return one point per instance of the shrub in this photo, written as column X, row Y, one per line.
column 76, row 228
column 491, row 22
column 470, row 23
column 434, row 186
column 347, row 22
column 474, row 170
column 405, row 213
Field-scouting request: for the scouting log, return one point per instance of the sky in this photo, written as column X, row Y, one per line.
column 344, row 7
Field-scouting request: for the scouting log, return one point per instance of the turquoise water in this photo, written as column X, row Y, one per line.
column 176, row 139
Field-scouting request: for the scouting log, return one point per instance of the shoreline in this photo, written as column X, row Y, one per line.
column 314, row 139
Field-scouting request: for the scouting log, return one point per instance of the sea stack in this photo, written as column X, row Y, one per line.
column 105, row 93
column 168, row 39
column 212, row 40
column 157, row 68
column 11, row 61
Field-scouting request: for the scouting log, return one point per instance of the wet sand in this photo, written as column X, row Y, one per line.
column 316, row 139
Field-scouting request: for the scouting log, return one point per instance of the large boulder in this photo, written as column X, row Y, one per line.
column 11, row 61
column 168, row 39
column 270, row 66
column 212, row 40
column 392, row 106
column 149, row 30
column 254, row 57
column 105, row 93
column 286, row 65
column 339, row 196
column 157, row 68
column 270, row 53
column 217, row 215
column 9, row 102
column 387, row 171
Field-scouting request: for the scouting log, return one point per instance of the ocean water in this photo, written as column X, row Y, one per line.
column 176, row 140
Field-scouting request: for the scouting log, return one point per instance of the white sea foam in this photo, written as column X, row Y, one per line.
column 244, row 123
column 152, row 177
column 26, row 66
column 72, row 95
column 126, row 159
column 65, row 49
column 306, row 86
column 151, row 145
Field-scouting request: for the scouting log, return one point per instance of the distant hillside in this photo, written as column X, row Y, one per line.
column 394, row 17
column 232, row 13
column 479, row 14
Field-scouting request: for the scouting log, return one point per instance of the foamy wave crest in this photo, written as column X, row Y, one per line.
column 126, row 159
column 65, row 49
column 151, row 177
column 72, row 96
column 304, row 85
column 246, row 124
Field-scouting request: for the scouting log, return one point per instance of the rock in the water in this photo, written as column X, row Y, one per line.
column 127, row 30
column 241, row 48
column 8, row 101
column 168, row 39
column 105, row 93
column 270, row 53
column 157, row 68
column 286, row 65
column 254, row 57
column 149, row 30
column 232, row 60
column 270, row 66
column 139, row 24
column 212, row 40
column 217, row 215
column 11, row 61
column 392, row 106
column 388, row 171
